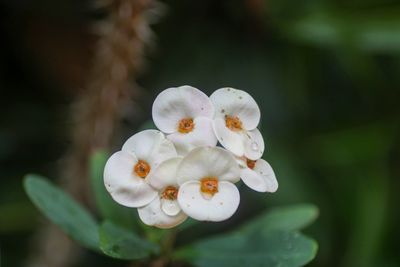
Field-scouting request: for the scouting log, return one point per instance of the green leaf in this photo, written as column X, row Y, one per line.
column 120, row 243
column 290, row 218
column 278, row 248
column 62, row 210
column 107, row 207
column 269, row 240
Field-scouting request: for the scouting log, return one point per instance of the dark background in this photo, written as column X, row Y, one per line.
column 324, row 73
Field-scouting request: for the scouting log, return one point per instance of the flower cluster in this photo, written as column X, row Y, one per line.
column 180, row 171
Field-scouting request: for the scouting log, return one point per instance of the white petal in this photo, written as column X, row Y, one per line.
column 218, row 208
column 234, row 102
column 150, row 146
column 165, row 174
column 176, row 103
column 264, row 168
column 202, row 135
column 126, row 188
column 233, row 141
column 241, row 161
column 170, row 207
column 254, row 144
column 165, row 150
column 204, row 162
column 261, row 178
column 153, row 215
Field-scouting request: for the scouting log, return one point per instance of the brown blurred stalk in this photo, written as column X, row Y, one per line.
column 118, row 56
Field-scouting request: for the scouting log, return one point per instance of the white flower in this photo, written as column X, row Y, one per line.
column 206, row 176
column 127, row 171
column 258, row 175
column 237, row 116
column 147, row 173
column 185, row 114
column 164, row 211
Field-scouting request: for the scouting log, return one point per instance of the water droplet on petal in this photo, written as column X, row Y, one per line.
column 254, row 146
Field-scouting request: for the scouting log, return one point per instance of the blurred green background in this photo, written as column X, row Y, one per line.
column 325, row 73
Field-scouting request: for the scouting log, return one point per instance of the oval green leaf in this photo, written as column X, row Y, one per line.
column 120, row 243
column 62, row 210
column 278, row 248
column 289, row 218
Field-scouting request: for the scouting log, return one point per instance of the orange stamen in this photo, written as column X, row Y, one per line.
column 233, row 123
column 251, row 163
column 209, row 185
column 170, row 192
column 142, row 169
column 186, row 125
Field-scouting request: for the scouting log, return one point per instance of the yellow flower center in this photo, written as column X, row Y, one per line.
column 233, row 123
column 186, row 125
column 142, row 168
column 209, row 185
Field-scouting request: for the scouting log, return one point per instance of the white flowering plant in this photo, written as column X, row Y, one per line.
column 190, row 169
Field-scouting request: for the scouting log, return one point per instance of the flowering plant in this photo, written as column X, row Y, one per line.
column 178, row 175
column 184, row 173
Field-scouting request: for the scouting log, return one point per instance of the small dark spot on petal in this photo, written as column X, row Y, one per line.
column 221, row 203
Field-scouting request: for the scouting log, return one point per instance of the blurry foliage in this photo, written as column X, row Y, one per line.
column 325, row 74
column 62, row 210
column 121, row 243
column 272, row 239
